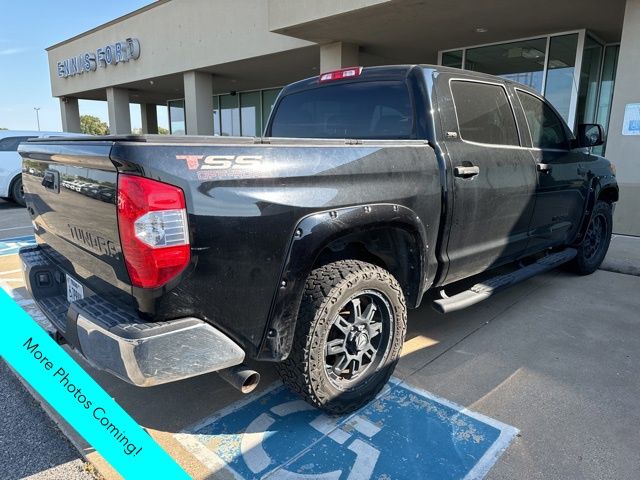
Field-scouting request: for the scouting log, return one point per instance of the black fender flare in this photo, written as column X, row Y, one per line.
column 310, row 236
column 597, row 185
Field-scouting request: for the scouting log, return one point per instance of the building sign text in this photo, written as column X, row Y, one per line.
column 112, row 54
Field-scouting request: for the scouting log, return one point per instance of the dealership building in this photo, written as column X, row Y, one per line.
column 218, row 65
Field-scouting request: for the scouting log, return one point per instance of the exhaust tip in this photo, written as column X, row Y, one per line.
column 241, row 378
column 250, row 383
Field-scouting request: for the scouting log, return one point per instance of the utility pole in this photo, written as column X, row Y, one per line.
column 37, row 109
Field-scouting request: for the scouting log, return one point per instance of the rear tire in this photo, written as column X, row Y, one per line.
column 17, row 192
column 594, row 245
column 349, row 334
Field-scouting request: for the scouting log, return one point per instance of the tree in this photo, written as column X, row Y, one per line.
column 93, row 125
column 161, row 131
column 2, row 128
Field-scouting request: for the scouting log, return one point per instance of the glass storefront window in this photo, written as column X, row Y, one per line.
column 589, row 80
column 242, row 114
column 177, row 123
column 250, row 114
column 268, row 101
column 548, row 65
column 560, row 82
column 607, row 83
column 229, row 115
column 452, row 59
column 521, row 61
column 216, row 115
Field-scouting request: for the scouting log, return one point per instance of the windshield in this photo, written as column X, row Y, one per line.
column 360, row 110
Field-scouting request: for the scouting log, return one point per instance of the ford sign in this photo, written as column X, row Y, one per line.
column 113, row 54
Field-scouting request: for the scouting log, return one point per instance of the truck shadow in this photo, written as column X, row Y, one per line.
column 177, row 406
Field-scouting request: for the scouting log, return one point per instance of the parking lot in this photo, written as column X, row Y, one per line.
column 541, row 381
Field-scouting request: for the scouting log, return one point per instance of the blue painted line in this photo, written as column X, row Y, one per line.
column 405, row 433
column 80, row 400
column 10, row 246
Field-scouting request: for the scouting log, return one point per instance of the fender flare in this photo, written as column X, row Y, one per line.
column 596, row 186
column 310, row 236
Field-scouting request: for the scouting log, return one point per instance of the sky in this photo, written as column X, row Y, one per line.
column 30, row 26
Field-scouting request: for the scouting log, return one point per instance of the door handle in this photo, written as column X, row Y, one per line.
column 466, row 172
column 544, row 167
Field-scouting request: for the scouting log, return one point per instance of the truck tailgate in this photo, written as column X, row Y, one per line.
column 71, row 194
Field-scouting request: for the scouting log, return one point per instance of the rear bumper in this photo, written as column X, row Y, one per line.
column 118, row 341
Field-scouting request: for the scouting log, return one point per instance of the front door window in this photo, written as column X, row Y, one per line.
column 546, row 128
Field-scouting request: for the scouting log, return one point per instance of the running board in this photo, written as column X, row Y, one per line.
column 484, row 290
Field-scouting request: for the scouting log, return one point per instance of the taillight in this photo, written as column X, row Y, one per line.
column 340, row 74
column 153, row 230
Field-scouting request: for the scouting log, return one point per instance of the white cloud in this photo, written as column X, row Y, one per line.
column 12, row 51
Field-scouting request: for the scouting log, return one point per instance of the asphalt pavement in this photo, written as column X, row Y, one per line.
column 31, row 444
column 14, row 221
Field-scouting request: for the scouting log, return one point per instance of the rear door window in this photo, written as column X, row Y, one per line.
column 360, row 110
column 547, row 129
column 484, row 113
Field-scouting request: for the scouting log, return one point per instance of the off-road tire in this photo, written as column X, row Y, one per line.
column 17, row 194
column 588, row 260
column 327, row 289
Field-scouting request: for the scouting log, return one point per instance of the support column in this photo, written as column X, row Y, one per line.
column 70, row 114
column 198, row 103
column 149, row 115
column 623, row 150
column 334, row 56
column 118, row 106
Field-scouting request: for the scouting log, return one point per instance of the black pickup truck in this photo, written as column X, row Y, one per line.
column 370, row 188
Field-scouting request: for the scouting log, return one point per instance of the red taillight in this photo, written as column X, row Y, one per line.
column 153, row 230
column 341, row 74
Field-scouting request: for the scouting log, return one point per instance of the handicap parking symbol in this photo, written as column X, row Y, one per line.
column 403, row 434
column 9, row 246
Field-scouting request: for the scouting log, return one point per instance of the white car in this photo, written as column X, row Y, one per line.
column 11, row 162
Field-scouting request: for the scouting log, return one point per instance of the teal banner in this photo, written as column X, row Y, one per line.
column 56, row 376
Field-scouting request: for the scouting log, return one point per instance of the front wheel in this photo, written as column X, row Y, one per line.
column 595, row 244
column 349, row 334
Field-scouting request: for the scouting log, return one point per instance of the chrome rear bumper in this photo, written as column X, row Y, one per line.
column 116, row 340
column 147, row 354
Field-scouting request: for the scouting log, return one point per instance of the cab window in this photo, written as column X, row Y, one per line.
column 484, row 113
column 547, row 129
column 363, row 110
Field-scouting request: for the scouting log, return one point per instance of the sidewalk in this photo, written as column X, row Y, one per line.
column 623, row 256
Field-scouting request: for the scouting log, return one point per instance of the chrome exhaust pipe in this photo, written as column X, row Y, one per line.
column 241, row 377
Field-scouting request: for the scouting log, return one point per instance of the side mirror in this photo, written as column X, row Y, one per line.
column 590, row 135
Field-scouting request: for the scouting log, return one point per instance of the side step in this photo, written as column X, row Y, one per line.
column 484, row 290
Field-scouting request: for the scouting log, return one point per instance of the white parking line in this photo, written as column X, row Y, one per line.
column 15, row 228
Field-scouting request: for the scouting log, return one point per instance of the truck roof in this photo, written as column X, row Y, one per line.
column 398, row 72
